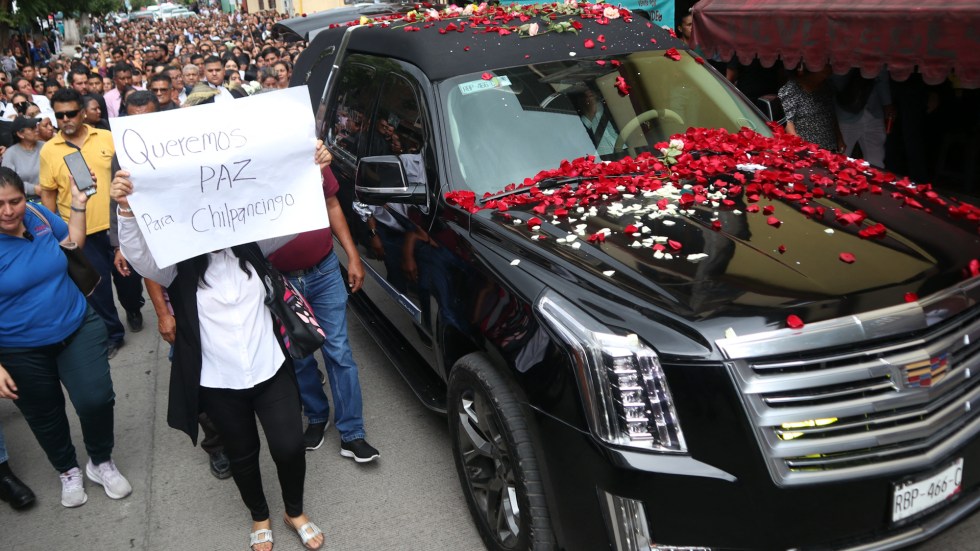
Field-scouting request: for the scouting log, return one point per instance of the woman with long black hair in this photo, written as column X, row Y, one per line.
column 229, row 362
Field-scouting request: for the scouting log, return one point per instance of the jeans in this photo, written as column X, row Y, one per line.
column 277, row 406
column 324, row 288
column 3, row 447
column 99, row 252
column 80, row 364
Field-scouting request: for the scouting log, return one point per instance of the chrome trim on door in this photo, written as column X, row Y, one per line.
column 401, row 299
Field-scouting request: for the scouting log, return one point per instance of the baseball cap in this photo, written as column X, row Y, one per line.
column 21, row 123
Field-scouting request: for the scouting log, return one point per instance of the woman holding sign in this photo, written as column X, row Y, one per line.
column 229, row 363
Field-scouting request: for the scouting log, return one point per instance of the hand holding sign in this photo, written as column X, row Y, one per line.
column 206, row 178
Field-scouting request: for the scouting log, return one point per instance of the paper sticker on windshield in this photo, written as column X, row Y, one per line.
column 479, row 85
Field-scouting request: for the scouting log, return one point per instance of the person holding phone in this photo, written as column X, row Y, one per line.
column 43, row 347
column 96, row 148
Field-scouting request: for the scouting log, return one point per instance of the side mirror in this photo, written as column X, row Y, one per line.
column 772, row 107
column 382, row 179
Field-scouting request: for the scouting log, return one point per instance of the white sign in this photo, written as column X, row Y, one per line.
column 212, row 176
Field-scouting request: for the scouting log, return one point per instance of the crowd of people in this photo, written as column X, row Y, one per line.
column 908, row 127
column 53, row 106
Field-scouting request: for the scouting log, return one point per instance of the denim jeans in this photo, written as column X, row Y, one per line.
column 99, row 252
column 80, row 364
column 3, row 447
column 324, row 288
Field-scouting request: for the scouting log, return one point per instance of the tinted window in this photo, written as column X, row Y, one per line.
column 352, row 105
column 398, row 123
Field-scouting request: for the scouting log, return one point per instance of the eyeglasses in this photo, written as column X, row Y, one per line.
column 160, row 90
column 67, row 114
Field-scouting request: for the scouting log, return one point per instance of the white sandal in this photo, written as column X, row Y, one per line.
column 259, row 536
column 306, row 532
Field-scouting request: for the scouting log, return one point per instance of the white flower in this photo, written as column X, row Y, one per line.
column 468, row 10
column 676, row 144
column 611, row 12
column 532, row 29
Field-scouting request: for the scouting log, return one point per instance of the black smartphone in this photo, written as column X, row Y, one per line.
column 80, row 172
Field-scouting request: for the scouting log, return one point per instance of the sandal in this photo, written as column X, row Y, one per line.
column 259, row 536
column 306, row 532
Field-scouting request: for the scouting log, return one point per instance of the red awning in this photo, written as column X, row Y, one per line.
column 933, row 37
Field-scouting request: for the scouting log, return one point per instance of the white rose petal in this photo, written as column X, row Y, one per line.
column 658, row 254
column 697, row 257
column 669, row 222
column 609, row 273
column 668, row 256
column 515, row 262
column 828, row 231
column 576, row 245
column 730, row 333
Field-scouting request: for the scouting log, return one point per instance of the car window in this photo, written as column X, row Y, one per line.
column 509, row 124
column 352, row 104
column 397, row 127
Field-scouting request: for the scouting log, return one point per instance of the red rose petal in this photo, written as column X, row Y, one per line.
column 975, row 267
column 911, row 297
column 631, row 229
column 534, row 221
column 589, row 43
column 752, row 208
column 782, row 249
column 716, row 225
column 774, row 222
column 672, row 53
column 768, row 209
column 794, row 322
column 847, row 258
column 486, row 76
column 624, row 89
column 676, row 245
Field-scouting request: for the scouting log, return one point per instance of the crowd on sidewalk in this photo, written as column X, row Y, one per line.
column 58, row 102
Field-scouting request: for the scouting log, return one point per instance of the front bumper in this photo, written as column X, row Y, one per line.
column 736, row 507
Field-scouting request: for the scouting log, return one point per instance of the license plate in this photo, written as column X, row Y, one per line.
column 917, row 495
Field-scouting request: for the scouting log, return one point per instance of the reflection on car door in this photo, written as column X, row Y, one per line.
column 380, row 113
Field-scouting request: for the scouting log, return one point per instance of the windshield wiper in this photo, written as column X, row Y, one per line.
column 553, row 182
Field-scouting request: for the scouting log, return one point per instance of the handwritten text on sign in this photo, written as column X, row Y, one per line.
column 212, row 176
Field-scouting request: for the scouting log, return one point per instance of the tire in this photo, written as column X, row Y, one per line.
column 495, row 459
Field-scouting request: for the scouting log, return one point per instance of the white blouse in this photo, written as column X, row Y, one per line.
column 238, row 347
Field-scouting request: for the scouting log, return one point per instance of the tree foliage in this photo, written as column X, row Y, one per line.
column 29, row 11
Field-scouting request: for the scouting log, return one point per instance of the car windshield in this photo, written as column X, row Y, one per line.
column 510, row 124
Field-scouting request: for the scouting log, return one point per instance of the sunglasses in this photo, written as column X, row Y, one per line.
column 67, row 114
column 160, row 90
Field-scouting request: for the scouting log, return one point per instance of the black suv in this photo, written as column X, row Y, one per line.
column 653, row 321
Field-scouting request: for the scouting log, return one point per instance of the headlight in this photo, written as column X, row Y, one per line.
column 624, row 388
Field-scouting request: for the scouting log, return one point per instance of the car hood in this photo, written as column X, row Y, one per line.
column 770, row 227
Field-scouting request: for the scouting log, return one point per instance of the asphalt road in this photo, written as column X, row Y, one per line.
column 408, row 500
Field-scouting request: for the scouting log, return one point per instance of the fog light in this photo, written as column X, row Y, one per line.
column 626, row 521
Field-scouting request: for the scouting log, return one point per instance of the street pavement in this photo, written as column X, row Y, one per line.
column 409, row 499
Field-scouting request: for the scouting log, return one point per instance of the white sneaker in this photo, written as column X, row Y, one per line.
column 73, row 488
column 115, row 484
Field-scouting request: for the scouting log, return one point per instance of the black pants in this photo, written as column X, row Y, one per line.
column 276, row 403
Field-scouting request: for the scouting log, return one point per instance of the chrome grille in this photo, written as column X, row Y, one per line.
column 852, row 409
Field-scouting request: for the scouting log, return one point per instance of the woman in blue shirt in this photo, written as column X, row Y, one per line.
column 50, row 337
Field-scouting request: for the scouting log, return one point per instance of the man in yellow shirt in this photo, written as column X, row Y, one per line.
column 97, row 150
